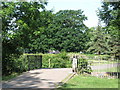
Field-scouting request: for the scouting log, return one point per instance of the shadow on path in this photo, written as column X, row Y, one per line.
column 40, row 78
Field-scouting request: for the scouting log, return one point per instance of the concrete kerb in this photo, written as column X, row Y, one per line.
column 65, row 80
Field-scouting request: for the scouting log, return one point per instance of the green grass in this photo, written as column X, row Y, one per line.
column 90, row 82
column 6, row 78
column 100, row 62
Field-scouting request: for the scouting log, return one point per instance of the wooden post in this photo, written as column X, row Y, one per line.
column 49, row 62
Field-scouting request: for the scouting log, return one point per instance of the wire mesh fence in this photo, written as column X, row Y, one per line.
column 110, row 70
column 103, row 66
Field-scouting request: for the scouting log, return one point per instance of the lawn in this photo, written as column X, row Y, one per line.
column 100, row 62
column 81, row 81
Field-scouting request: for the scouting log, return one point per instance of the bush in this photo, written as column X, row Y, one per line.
column 11, row 64
column 60, row 60
column 20, row 64
column 83, row 66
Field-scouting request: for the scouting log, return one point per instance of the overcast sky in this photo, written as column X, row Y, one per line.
column 88, row 6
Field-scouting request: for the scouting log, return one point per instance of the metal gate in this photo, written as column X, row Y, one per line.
column 34, row 62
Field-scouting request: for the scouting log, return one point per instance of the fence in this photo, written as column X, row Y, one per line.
column 102, row 67
column 106, row 69
column 34, row 62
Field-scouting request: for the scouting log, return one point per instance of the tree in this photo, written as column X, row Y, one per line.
column 69, row 30
column 61, row 31
column 9, row 48
column 98, row 41
column 41, row 38
column 17, row 30
column 29, row 27
column 109, row 14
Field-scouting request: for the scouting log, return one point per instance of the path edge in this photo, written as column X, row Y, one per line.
column 58, row 85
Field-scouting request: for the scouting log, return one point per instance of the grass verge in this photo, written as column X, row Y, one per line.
column 81, row 81
column 101, row 62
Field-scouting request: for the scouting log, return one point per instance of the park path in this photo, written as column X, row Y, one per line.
column 105, row 66
column 40, row 78
column 46, row 78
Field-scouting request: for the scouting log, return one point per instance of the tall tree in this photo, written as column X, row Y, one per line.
column 17, row 28
column 110, row 15
column 98, row 41
column 69, row 30
column 65, row 30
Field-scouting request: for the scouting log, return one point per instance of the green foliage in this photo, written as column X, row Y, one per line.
column 98, row 41
column 105, row 40
column 16, row 23
column 11, row 64
column 33, row 30
column 90, row 56
column 56, row 61
column 69, row 24
column 13, row 75
column 29, row 27
column 83, row 66
column 109, row 14
column 22, row 63
column 58, row 31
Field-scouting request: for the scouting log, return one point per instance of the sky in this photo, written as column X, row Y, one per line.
column 88, row 6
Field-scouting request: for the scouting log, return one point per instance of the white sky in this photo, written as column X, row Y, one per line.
column 88, row 6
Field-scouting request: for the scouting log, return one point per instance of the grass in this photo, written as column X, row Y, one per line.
column 100, row 62
column 81, row 81
column 90, row 58
column 13, row 75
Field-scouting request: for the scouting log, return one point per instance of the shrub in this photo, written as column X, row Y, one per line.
column 105, row 57
column 12, row 64
column 60, row 60
column 20, row 64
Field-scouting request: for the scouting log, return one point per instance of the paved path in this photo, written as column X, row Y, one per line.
column 105, row 66
column 40, row 78
column 45, row 78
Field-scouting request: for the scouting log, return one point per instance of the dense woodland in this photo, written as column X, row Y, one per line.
column 27, row 27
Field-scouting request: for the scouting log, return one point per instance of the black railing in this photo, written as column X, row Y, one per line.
column 34, row 62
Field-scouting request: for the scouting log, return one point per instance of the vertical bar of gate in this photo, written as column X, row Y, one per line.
column 40, row 61
column 35, row 62
column 28, row 62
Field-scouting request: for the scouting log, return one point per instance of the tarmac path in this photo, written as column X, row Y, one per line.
column 45, row 78
column 39, row 78
column 105, row 66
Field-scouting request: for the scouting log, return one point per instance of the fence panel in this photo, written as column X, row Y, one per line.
column 34, row 61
